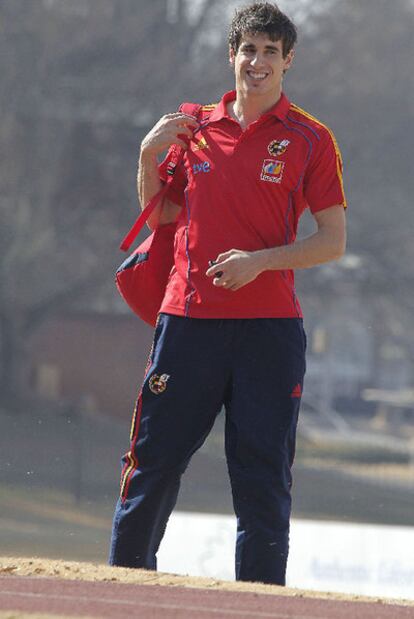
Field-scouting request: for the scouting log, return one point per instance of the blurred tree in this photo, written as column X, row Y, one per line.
column 83, row 80
column 60, row 189
column 356, row 74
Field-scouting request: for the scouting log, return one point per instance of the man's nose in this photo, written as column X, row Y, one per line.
column 257, row 60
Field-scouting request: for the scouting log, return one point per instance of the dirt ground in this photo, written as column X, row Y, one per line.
column 15, row 614
column 96, row 572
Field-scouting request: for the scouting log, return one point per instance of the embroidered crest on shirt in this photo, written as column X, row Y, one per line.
column 278, row 147
column 272, row 170
column 158, row 384
column 201, row 144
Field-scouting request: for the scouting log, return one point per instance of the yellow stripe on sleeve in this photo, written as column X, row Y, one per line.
column 339, row 163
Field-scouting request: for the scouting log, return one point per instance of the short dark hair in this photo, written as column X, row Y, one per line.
column 262, row 18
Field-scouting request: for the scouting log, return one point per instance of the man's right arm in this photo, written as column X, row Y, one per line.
column 170, row 129
column 148, row 184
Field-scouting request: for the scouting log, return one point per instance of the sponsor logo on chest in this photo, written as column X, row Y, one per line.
column 203, row 167
column 272, row 170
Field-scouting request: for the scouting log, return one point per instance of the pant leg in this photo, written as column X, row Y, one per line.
column 180, row 398
column 261, row 419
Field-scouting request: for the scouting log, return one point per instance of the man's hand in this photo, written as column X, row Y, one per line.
column 171, row 129
column 237, row 268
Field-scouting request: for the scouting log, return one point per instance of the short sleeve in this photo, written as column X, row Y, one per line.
column 323, row 182
column 169, row 167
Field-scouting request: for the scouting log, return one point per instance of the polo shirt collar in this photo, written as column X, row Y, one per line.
column 280, row 109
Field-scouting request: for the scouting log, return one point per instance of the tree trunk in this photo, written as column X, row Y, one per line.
column 11, row 360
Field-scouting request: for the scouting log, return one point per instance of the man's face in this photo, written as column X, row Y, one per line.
column 259, row 65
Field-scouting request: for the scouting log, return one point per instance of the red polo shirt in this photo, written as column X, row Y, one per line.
column 246, row 190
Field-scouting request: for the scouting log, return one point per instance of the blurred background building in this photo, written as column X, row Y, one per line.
column 82, row 81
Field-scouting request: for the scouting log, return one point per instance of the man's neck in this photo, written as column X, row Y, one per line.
column 247, row 110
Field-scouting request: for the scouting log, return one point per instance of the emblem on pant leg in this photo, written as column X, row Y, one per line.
column 158, row 384
column 297, row 391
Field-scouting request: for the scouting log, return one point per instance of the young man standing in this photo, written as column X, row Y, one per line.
column 230, row 327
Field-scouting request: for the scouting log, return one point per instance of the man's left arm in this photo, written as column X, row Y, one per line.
column 238, row 267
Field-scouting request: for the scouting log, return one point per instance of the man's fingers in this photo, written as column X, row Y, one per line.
column 181, row 143
column 224, row 256
column 214, row 270
column 171, row 129
column 216, row 265
column 185, row 131
column 227, row 285
column 182, row 120
column 180, row 115
column 218, row 281
column 189, row 121
column 223, row 282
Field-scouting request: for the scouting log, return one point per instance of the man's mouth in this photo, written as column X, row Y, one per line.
column 257, row 75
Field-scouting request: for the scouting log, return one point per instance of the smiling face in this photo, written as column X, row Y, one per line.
column 259, row 66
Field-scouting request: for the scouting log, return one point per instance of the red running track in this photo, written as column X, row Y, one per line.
column 116, row 600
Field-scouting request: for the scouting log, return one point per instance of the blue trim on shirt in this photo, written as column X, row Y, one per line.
column 187, row 251
column 291, row 204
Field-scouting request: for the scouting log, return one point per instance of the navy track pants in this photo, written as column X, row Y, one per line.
column 255, row 367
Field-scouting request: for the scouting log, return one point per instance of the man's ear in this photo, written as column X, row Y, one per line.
column 232, row 56
column 289, row 59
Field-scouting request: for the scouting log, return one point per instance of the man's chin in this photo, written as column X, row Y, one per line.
column 254, row 90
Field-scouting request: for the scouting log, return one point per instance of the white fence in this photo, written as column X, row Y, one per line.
column 325, row 556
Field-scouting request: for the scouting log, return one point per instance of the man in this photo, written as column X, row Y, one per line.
column 230, row 326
